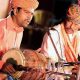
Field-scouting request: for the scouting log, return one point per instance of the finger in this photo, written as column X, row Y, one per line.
column 34, row 75
column 9, row 69
column 12, row 69
column 41, row 75
column 26, row 76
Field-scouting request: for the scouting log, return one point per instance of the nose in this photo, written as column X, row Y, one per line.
column 29, row 17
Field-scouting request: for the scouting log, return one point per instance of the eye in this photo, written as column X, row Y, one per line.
column 28, row 12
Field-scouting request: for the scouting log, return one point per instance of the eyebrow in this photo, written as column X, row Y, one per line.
column 27, row 11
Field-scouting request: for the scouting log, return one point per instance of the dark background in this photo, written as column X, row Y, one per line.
column 32, row 38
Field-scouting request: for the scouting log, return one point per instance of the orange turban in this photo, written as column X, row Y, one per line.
column 25, row 4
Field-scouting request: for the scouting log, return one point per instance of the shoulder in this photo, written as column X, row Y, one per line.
column 54, row 32
column 2, row 26
column 55, row 29
column 2, row 22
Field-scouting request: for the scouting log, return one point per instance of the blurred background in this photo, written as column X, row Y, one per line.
column 33, row 34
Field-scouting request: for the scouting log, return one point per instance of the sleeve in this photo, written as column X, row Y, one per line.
column 1, row 33
column 1, row 38
column 44, row 45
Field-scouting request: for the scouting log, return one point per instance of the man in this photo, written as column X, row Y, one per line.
column 62, row 44
column 21, row 15
column 11, row 28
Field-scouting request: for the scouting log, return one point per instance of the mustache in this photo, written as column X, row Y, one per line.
column 28, row 20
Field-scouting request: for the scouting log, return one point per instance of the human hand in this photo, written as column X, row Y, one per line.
column 75, row 69
column 35, row 74
column 8, row 68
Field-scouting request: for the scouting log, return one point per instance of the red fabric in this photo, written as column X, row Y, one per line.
column 1, row 64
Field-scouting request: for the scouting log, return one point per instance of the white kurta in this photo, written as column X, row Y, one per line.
column 48, row 49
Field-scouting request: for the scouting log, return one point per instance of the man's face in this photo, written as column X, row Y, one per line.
column 74, row 14
column 23, row 17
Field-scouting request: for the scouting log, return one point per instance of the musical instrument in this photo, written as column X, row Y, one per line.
column 17, row 55
column 65, row 70
column 71, row 67
column 27, row 58
column 37, row 62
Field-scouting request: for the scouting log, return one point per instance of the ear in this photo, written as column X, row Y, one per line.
column 15, row 11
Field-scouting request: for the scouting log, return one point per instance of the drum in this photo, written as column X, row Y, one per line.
column 38, row 63
column 78, row 74
column 15, row 56
column 35, row 59
column 27, row 58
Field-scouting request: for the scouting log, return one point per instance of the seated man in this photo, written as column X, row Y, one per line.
column 11, row 28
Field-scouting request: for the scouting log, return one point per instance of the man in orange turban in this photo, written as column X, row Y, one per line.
column 11, row 28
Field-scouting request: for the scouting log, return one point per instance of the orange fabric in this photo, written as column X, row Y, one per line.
column 10, row 35
column 11, row 25
column 26, row 4
column 70, row 48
